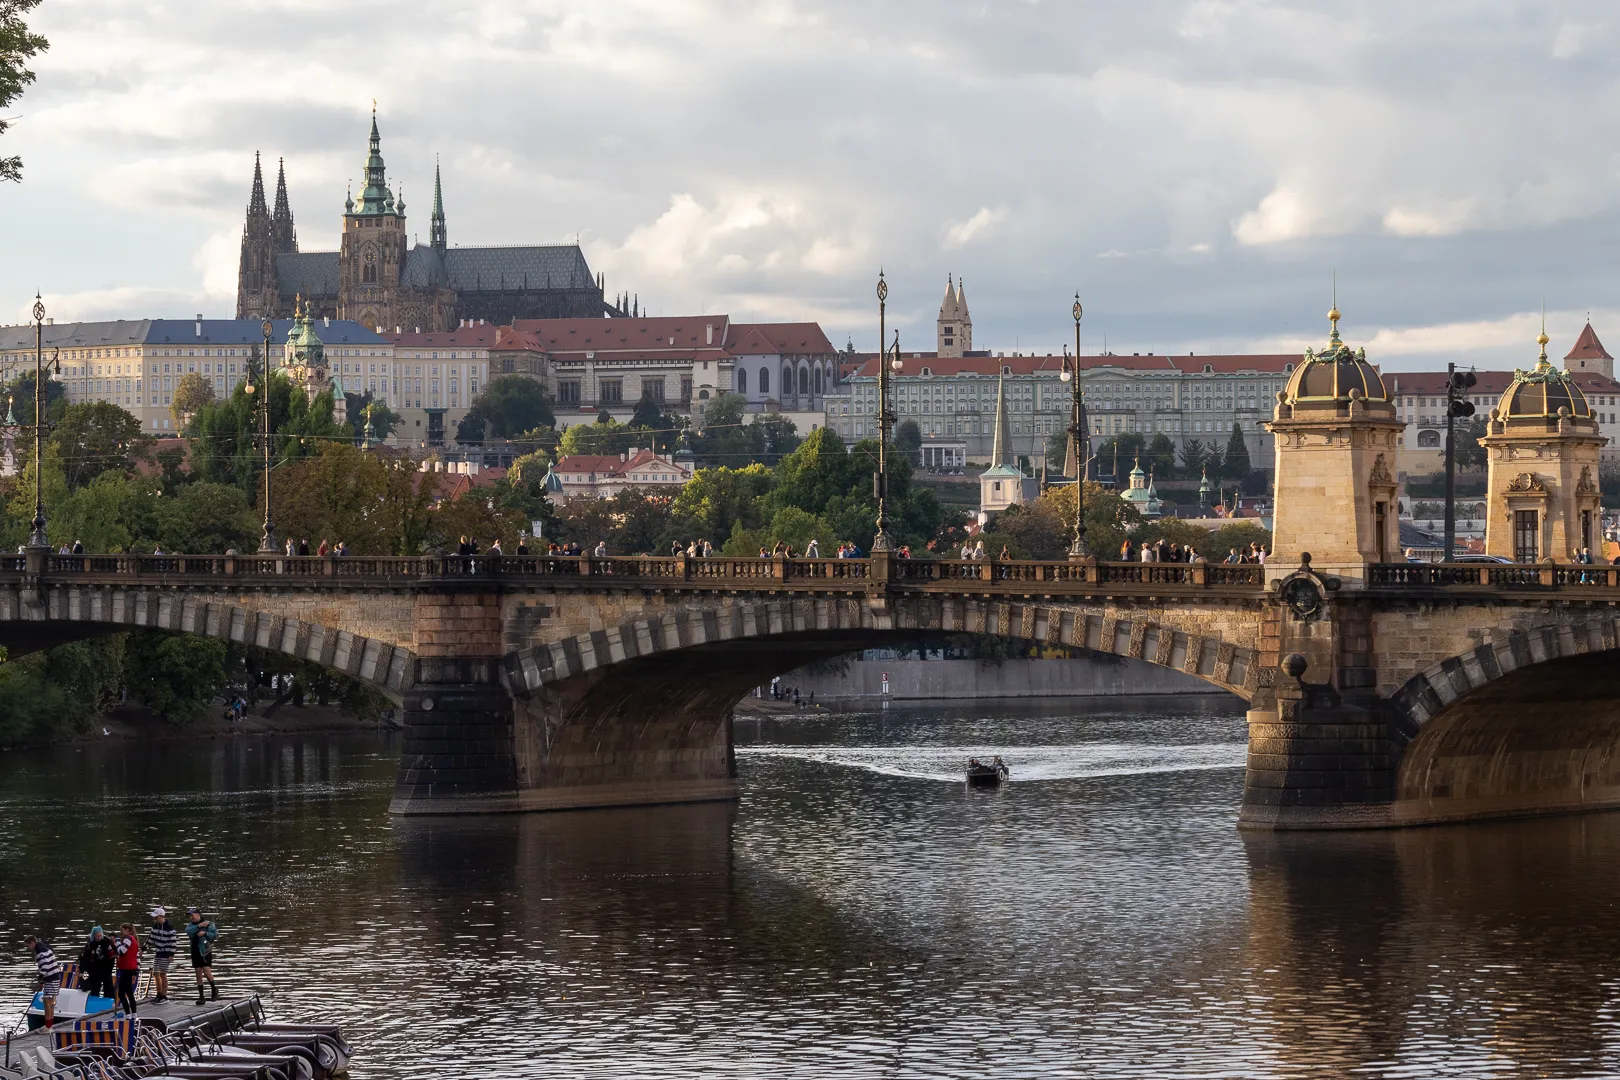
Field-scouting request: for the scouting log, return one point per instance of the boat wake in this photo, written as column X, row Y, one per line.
column 1028, row 763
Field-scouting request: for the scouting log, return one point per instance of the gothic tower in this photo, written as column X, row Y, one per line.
column 372, row 255
column 281, row 224
column 256, row 273
column 954, row 328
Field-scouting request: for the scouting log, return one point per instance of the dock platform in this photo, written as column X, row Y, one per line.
column 176, row 1014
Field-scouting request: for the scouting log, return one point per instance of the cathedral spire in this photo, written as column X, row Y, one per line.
column 282, row 223
column 438, row 235
column 1002, row 440
column 375, row 198
column 256, row 205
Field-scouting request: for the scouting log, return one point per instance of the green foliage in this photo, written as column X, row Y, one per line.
column 716, row 499
column 1235, row 463
column 1043, row 529
column 603, row 437
column 908, row 440
column 1160, row 457
column 225, row 439
column 507, row 406
column 1115, row 455
column 726, row 437
column 1466, row 447
column 176, row 675
column 48, row 695
column 94, row 437
column 791, row 526
column 1234, row 537
column 20, row 391
column 384, row 421
column 191, row 393
column 17, row 46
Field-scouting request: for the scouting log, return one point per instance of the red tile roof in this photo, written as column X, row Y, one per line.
column 797, row 339
column 1588, row 347
column 605, row 465
column 1486, row 382
column 689, row 332
column 477, row 336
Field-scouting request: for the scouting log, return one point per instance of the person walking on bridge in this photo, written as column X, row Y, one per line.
column 202, row 933
column 164, row 940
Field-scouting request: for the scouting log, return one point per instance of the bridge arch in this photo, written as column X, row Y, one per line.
column 836, row 626
column 641, row 712
column 1528, row 723
column 76, row 613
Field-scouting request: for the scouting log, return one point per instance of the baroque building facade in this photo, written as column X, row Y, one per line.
column 379, row 279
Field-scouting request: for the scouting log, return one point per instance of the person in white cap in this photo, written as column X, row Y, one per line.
column 164, row 941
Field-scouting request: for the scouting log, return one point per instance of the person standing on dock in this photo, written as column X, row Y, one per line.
column 202, row 933
column 129, row 966
column 50, row 976
column 96, row 962
column 164, row 940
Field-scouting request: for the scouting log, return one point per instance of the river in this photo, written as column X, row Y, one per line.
column 859, row 913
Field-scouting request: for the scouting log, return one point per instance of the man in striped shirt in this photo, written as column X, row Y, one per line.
column 164, row 941
column 50, row 976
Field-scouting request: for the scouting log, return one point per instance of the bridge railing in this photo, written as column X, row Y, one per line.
column 792, row 573
column 1491, row 576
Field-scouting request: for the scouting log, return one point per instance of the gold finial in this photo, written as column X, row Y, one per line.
column 1542, row 338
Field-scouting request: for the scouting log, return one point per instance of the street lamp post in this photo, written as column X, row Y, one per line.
column 38, row 538
column 1078, row 438
column 885, row 417
column 267, row 543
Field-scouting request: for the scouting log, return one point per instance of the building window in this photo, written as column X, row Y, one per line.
column 611, row 391
column 1524, row 535
column 368, row 272
column 804, row 381
column 654, row 389
column 686, row 388
column 742, row 380
column 764, row 380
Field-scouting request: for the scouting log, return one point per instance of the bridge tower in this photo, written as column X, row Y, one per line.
column 1336, row 433
column 1542, row 498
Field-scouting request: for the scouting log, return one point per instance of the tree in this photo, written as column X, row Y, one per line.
column 1235, row 537
column 908, row 440
column 191, row 393
column 366, row 409
column 206, row 519
column 1470, row 454
column 20, row 392
column 715, row 501
column 1160, row 457
column 1198, row 457
column 93, row 437
column 177, row 675
column 1117, row 454
column 1235, row 465
column 17, row 46
column 602, row 437
column 508, row 405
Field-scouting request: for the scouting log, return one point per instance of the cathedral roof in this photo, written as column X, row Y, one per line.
column 500, row 269
column 307, row 273
column 791, row 339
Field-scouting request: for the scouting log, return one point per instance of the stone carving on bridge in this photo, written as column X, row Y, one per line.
column 1585, row 486
column 1526, row 483
column 1380, row 475
column 1305, row 591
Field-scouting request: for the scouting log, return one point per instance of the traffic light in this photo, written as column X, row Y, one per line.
column 1459, row 385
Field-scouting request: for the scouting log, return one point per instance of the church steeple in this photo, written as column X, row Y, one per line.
column 282, row 222
column 438, row 235
column 1002, row 440
column 375, row 198
column 256, row 269
column 954, row 327
column 256, row 204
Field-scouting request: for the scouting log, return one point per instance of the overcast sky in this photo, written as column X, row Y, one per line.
column 1197, row 169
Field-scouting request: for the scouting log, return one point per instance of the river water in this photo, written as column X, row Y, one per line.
column 858, row 914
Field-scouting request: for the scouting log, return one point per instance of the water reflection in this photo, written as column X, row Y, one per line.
column 859, row 912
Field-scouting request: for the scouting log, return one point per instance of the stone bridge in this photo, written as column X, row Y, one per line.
column 1425, row 693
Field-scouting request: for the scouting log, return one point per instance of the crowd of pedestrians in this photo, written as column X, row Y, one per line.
column 109, row 965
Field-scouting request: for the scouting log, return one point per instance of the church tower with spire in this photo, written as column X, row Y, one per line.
column 281, row 221
column 372, row 254
column 438, row 236
column 954, row 329
column 256, row 292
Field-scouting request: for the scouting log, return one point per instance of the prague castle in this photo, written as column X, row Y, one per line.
column 380, row 280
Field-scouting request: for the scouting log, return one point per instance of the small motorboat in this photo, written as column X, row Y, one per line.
column 986, row 774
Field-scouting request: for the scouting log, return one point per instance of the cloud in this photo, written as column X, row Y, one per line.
column 1197, row 168
column 962, row 233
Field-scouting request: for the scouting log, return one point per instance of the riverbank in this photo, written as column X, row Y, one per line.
column 129, row 722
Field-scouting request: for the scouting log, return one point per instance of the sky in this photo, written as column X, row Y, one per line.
column 1200, row 171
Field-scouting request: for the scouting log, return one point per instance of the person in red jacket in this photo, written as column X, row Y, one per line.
column 129, row 965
